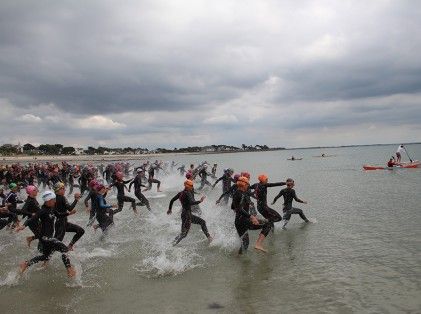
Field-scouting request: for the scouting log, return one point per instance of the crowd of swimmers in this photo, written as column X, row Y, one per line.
column 49, row 221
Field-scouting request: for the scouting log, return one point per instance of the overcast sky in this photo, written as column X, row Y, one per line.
column 181, row 73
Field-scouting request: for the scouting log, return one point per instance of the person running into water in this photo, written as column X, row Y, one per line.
column 29, row 209
column 187, row 218
column 203, row 174
column 12, row 200
column 289, row 195
column 137, row 182
column 120, row 184
column 226, row 179
column 62, row 210
column 48, row 244
column 103, row 211
column 244, row 221
column 261, row 193
column 151, row 179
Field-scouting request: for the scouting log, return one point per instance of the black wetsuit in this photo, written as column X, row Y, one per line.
column 204, row 181
column 92, row 197
column 241, row 205
column 30, row 208
column 290, row 195
column 261, row 193
column 137, row 182
column 62, row 226
column 226, row 185
column 121, row 197
column 48, row 243
column 13, row 200
column 151, row 179
column 187, row 218
column 102, row 210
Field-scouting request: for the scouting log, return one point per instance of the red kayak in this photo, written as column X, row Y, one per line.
column 404, row 165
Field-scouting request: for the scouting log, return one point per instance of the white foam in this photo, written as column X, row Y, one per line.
column 12, row 279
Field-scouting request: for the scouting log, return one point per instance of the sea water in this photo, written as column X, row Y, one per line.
column 361, row 256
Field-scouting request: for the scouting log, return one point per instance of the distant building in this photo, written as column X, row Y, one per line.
column 79, row 151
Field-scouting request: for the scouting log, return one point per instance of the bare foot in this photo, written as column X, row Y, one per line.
column 29, row 240
column 260, row 248
column 71, row 272
column 23, row 266
column 70, row 247
column 210, row 239
column 159, row 190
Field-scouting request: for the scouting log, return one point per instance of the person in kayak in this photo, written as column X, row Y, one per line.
column 289, row 195
column 391, row 162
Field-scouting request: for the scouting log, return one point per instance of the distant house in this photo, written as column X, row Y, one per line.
column 79, row 151
column 208, row 149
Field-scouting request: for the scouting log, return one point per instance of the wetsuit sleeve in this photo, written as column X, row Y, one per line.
column 278, row 196
column 87, row 199
column 270, row 185
column 174, row 199
column 127, row 181
column 101, row 203
column 130, row 185
column 231, row 190
column 242, row 211
column 71, row 206
column 216, row 182
column 34, row 218
column 296, row 198
column 24, row 209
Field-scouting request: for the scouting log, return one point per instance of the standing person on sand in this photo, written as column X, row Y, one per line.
column 48, row 244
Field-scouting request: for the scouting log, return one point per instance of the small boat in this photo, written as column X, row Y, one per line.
column 404, row 165
column 294, row 159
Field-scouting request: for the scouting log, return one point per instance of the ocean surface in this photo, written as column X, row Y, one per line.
column 362, row 254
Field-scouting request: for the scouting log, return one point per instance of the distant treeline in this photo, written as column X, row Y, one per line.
column 59, row 149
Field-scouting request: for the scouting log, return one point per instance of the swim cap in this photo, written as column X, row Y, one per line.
column 119, row 175
column 242, row 184
column 30, row 189
column 99, row 187
column 48, row 195
column 188, row 184
column 58, row 186
column 245, row 174
column 12, row 186
column 236, row 176
column 263, row 178
column 189, row 175
column 92, row 183
column 243, row 179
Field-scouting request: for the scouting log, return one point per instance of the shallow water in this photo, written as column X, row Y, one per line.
column 361, row 256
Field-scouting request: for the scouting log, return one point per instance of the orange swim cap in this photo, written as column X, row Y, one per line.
column 263, row 178
column 188, row 184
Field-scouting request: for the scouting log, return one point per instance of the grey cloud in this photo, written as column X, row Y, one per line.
column 104, row 58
